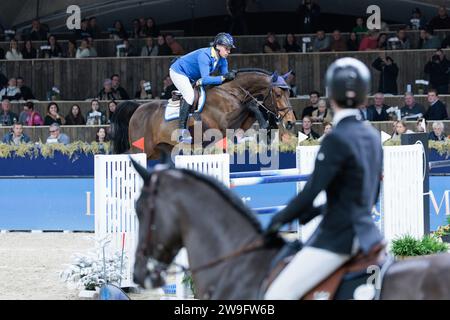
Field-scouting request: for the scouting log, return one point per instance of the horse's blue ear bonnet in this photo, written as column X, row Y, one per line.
column 279, row 81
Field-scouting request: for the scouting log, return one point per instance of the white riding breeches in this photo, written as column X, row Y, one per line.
column 183, row 85
column 308, row 268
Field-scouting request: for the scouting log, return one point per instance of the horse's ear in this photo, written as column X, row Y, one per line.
column 275, row 77
column 286, row 75
column 142, row 171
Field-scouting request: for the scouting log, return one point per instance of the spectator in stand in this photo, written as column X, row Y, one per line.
column 378, row 109
column 382, row 41
column 401, row 42
column 116, row 86
column 142, row 93
column 370, row 41
column 53, row 115
column 307, row 130
column 412, row 109
column 163, row 48
column 441, row 21
column 400, row 128
column 142, row 23
column 101, row 138
column 101, row 135
column 290, row 43
column 16, row 135
column 360, row 26
column 168, row 87
column 93, row 29
column 83, row 32
column 365, row 113
column 83, row 50
column 74, row 117
column 338, row 43
column 108, row 93
column 175, row 46
column 438, row 132
column 314, row 99
column 428, row 40
column 55, row 50
column 112, row 106
column 95, row 116
column 388, row 74
column 271, row 44
column 25, row 91
column 417, row 21
column 437, row 110
column 327, row 128
column 150, row 49
column 128, row 50
column 56, row 136
column 151, row 29
column 308, row 16
column 11, row 92
column 438, row 69
column 71, row 49
column 91, row 47
column 37, row 33
column 321, row 42
column 30, row 117
column 290, row 79
column 323, row 113
column 236, row 10
column 7, row 118
column 28, row 51
column 136, row 31
column 119, row 31
column 13, row 53
column 352, row 42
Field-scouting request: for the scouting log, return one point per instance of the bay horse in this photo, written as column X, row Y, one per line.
column 212, row 224
column 226, row 107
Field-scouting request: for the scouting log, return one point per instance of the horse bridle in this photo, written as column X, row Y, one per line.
column 269, row 93
column 158, row 267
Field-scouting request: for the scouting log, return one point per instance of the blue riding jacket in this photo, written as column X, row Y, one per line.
column 199, row 64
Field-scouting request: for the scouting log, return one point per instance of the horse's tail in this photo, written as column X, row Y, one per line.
column 119, row 126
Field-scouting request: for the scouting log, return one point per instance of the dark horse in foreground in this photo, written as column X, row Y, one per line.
column 226, row 107
column 213, row 224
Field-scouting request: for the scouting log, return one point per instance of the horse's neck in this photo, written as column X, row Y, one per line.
column 255, row 84
column 213, row 229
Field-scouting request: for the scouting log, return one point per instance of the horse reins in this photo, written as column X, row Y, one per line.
column 248, row 94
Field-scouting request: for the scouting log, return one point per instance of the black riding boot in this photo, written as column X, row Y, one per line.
column 185, row 136
column 258, row 115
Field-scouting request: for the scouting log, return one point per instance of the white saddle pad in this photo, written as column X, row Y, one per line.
column 173, row 107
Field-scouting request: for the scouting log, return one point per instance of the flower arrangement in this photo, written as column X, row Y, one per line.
column 443, row 232
column 94, row 269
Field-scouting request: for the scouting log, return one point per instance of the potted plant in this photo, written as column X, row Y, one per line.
column 88, row 272
column 408, row 246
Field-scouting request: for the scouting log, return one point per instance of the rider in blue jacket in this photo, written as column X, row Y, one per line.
column 196, row 67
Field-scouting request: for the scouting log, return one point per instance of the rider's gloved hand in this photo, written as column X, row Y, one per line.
column 229, row 76
column 270, row 235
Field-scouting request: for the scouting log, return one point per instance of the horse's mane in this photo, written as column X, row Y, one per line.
column 229, row 196
column 254, row 70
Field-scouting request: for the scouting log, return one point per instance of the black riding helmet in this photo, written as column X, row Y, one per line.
column 348, row 82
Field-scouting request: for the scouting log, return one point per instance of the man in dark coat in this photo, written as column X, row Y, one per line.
column 348, row 167
column 438, row 68
column 378, row 109
column 388, row 74
column 437, row 110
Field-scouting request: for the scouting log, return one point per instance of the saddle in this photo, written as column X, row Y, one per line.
column 177, row 97
column 328, row 287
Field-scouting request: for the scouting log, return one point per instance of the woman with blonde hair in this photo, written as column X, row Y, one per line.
column 13, row 52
